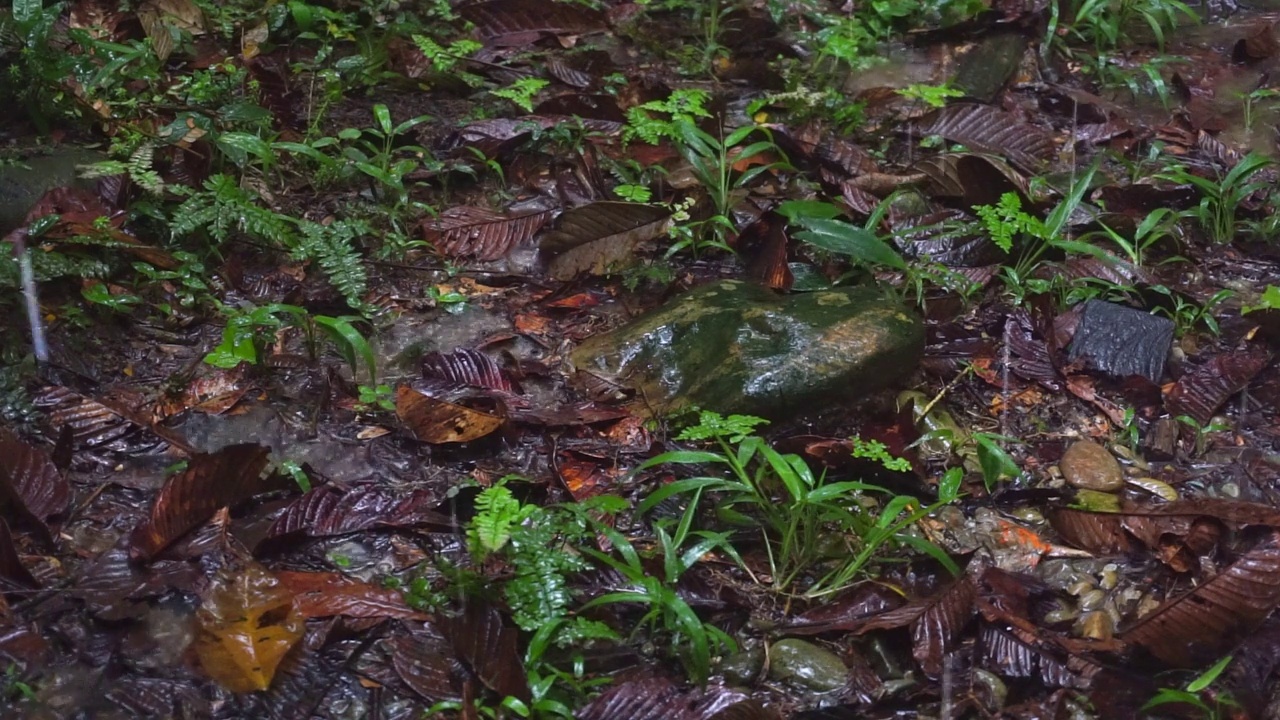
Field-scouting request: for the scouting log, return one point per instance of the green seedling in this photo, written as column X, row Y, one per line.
column 1219, row 704
column 1220, row 198
column 794, row 509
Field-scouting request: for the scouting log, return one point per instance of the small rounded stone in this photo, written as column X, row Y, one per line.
column 807, row 665
column 1088, row 466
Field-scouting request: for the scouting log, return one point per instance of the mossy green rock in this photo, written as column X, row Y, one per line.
column 807, row 665
column 735, row 347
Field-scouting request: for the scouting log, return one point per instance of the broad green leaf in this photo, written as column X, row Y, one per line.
column 845, row 239
column 25, row 11
column 383, row 116
column 798, row 211
column 341, row 329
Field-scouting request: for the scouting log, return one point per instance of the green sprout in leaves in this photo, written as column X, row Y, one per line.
column 521, row 92
column 932, row 95
column 876, row 450
column 1007, row 220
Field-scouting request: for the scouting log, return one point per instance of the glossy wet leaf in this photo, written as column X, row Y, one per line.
column 30, row 474
column 467, row 367
column 324, row 594
column 521, row 22
column 438, row 421
column 335, row 509
column 747, row 710
column 935, row 622
column 988, row 129
column 1203, row 624
column 652, row 698
column 1201, row 391
column 490, row 648
column 246, row 625
column 189, row 498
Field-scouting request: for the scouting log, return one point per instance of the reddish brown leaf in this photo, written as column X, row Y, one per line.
column 324, row 594
column 111, row 423
column 1018, row 652
column 973, row 179
column 652, row 698
column 191, row 497
column 935, row 622
column 764, row 243
column 150, row 697
column 1097, row 532
column 439, row 421
column 481, row 233
column 467, row 367
column 425, row 663
column 1198, row 627
column 848, row 611
column 489, row 648
column 337, row 510
column 582, row 105
column 987, row 129
column 1200, row 392
column 31, row 475
column 513, row 23
column 11, row 568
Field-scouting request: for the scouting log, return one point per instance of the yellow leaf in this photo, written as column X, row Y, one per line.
column 246, row 626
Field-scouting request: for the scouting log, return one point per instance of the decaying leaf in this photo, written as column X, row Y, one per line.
column 596, row 238
column 519, row 22
column 438, row 421
column 247, row 623
column 335, row 509
column 935, row 622
column 490, row 648
column 324, row 594
column 467, row 367
column 1200, row 392
column 973, row 178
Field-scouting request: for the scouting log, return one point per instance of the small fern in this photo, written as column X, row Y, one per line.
column 223, row 207
column 537, row 543
column 140, row 168
column 496, row 511
column 333, row 248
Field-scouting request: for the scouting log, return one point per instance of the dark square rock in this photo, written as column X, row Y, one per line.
column 1121, row 341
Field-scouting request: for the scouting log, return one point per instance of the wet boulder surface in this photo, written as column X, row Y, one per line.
column 733, row 346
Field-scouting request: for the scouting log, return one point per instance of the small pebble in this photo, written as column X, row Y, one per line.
column 1096, row 626
column 1088, row 466
column 1092, row 600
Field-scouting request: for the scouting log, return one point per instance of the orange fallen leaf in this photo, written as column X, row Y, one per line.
column 246, row 626
column 436, row 421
